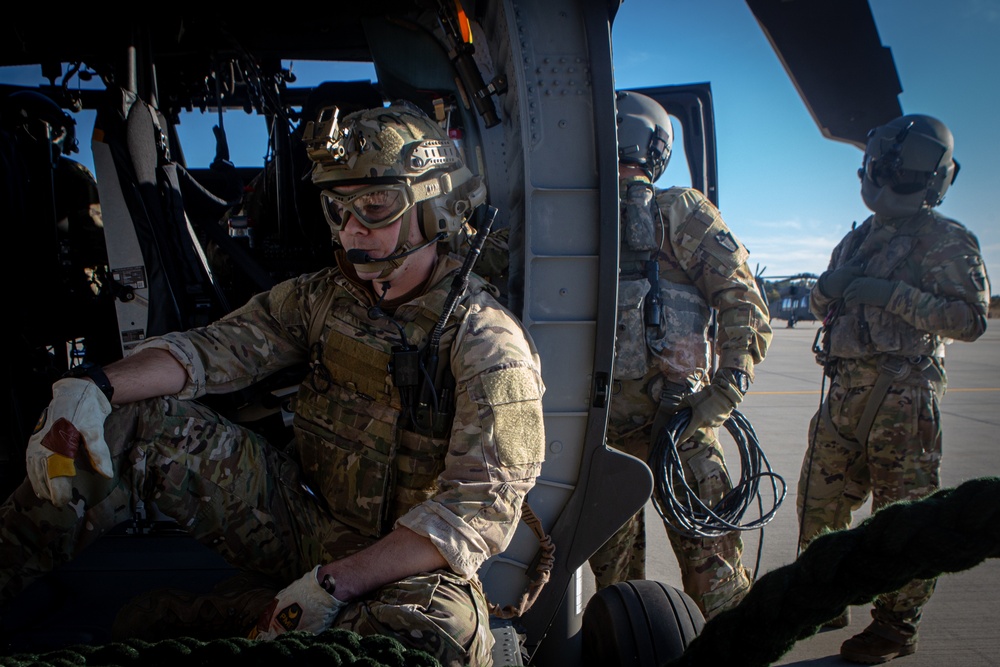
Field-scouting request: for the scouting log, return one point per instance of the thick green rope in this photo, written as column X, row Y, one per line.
column 332, row 648
column 949, row 531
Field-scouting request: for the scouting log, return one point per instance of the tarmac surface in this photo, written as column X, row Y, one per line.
column 960, row 625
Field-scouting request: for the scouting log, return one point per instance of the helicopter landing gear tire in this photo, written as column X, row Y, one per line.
column 638, row 623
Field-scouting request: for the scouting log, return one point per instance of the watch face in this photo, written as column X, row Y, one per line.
column 742, row 381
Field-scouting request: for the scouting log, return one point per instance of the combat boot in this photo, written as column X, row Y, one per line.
column 229, row 610
column 878, row 643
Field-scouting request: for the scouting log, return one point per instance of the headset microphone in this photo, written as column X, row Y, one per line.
column 358, row 256
column 355, row 256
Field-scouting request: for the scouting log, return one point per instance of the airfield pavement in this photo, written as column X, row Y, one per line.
column 960, row 625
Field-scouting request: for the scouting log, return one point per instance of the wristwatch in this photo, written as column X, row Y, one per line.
column 95, row 373
column 741, row 380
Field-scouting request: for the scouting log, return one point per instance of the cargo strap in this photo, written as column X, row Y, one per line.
column 891, row 368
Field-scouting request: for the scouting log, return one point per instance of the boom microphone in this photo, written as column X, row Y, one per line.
column 358, row 256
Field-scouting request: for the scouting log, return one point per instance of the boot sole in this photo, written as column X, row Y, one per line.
column 868, row 659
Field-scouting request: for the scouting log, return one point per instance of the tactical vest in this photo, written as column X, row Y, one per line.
column 864, row 332
column 637, row 279
column 663, row 318
column 356, row 448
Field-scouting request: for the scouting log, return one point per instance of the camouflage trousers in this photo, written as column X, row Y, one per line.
column 711, row 568
column 245, row 499
column 900, row 461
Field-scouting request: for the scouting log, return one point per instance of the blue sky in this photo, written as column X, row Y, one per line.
column 788, row 193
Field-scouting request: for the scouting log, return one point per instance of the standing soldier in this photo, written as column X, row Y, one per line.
column 899, row 286
column 678, row 262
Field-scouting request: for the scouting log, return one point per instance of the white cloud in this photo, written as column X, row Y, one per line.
column 789, row 247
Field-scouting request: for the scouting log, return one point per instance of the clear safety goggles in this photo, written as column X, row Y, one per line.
column 375, row 206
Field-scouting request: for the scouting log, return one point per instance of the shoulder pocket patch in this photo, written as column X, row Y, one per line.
column 519, row 431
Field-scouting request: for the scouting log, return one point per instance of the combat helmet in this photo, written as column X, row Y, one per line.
column 39, row 118
column 645, row 134
column 908, row 164
column 399, row 147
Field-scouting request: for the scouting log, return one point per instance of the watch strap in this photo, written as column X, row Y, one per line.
column 740, row 380
column 95, row 373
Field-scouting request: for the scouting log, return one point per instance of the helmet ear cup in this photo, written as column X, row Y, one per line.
column 940, row 182
column 430, row 219
column 446, row 214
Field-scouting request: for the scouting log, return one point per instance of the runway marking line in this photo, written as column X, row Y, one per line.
column 951, row 390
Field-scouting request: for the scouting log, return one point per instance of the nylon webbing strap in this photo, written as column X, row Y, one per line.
column 319, row 313
column 891, row 369
column 875, row 398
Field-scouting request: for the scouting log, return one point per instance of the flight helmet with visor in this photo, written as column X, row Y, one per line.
column 645, row 133
column 908, row 164
column 40, row 119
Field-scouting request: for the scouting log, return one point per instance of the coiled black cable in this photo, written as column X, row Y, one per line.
column 679, row 505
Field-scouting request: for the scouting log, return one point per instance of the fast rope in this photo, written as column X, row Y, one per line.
column 331, row 648
column 679, row 505
column 948, row 531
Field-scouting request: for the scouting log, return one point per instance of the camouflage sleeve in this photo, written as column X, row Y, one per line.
column 954, row 298
column 716, row 262
column 265, row 335
column 497, row 441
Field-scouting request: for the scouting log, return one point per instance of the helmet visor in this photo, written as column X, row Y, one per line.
column 902, row 160
column 886, row 172
column 375, row 206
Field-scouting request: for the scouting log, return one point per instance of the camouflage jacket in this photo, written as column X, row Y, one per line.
column 78, row 215
column 701, row 265
column 463, row 491
column 942, row 290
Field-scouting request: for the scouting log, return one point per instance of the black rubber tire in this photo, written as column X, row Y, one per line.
column 638, row 623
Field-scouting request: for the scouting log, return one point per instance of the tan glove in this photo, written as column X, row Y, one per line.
column 71, row 425
column 712, row 405
column 302, row 605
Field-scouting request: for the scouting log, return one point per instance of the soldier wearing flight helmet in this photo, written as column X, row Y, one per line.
column 678, row 261
column 898, row 288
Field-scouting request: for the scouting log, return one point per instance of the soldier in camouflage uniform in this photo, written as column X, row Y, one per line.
column 37, row 123
column 898, row 288
column 678, row 261
column 399, row 483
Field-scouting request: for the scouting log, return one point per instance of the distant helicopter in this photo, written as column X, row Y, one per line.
column 787, row 296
